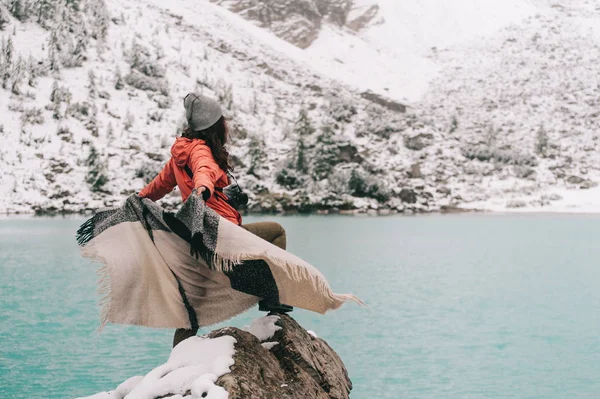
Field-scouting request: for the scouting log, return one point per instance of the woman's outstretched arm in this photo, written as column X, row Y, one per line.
column 161, row 185
column 205, row 170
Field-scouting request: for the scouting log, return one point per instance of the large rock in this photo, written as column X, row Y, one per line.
column 299, row 365
column 274, row 359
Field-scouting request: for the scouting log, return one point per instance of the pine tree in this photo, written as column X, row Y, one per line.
column 44, row 10
column 257, row 155
column 326, row 154
column 54, row 92
column 73, row 4
column 119, row 84
column 17, row 76
column 129, row 121
column 93, row 90
column 96, row 175
column 2, row 63
column 453, row 124
column 54, row 50
column 254, row 103
column 303, row 126
column 289, row 179
column 98, row 13
column 9, row 52
column 300, row 163
column 33, row 72
column 109, row 133
column 18, row 10
column 70, row 28
column 7, row 56
column 92, row 123
column 78, row 50
column 58, row 95
column 358, row 186
column 541, row 142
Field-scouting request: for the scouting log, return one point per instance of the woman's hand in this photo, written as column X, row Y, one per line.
column 201, row 192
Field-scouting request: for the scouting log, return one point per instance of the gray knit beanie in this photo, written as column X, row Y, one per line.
column 201, row 112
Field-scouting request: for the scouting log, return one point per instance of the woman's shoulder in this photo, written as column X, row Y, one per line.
column 200, row 149
column 200, row 145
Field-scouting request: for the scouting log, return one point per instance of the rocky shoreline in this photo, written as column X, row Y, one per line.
column 332, row 211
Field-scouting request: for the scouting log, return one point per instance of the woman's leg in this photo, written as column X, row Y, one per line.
column 275, row 234
column 268, row 231
column 181, row 334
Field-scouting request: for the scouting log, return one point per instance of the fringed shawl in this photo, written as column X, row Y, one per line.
column 193, row 268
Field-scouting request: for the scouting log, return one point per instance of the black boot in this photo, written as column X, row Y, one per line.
column 269, row 305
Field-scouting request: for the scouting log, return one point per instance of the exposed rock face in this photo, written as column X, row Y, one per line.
column 274, row 359
column 418, row 142
column 296, row 21
column 384, row 102
column 299, row 365
column 364, row 19
column 336, row 11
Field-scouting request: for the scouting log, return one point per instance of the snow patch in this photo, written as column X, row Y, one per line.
column 420, row 25
column 269, row 345
column 263, row 328
column 393, row 56
column 194, row 365
column 400, row 74
column 312, row 334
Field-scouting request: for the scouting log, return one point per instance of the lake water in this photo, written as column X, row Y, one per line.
column 459, row 307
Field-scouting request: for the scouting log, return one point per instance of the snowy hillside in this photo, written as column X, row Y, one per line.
column 89, row 132
column 503, row 102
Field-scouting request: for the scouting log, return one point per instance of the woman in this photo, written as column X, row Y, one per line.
column 200, row 161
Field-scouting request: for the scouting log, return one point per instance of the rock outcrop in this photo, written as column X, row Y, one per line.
column 296, row 21
column 364, row 18
column 275, row 358
column 299, row 365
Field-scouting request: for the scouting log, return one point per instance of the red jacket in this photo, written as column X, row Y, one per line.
column 198, row 156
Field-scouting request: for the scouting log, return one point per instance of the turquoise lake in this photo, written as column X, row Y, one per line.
column 469, row 306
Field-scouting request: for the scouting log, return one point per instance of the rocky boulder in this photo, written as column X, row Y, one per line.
column 272, row 358
column 298, row 365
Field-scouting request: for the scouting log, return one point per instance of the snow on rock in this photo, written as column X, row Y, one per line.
column 263, row 328
column 204, row 387
column 312, row 334
column 126, row 387
column 193, row 366
column 229, row 363
column 269, row 345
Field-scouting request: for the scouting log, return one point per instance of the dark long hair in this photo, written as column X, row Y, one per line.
column 216, row 137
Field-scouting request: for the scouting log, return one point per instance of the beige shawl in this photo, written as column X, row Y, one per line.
column 193, row 268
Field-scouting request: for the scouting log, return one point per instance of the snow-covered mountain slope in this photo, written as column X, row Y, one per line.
column 503, row 111
column 524, row 107
column 381, row 45
column 406, row 33
column 87, row 133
